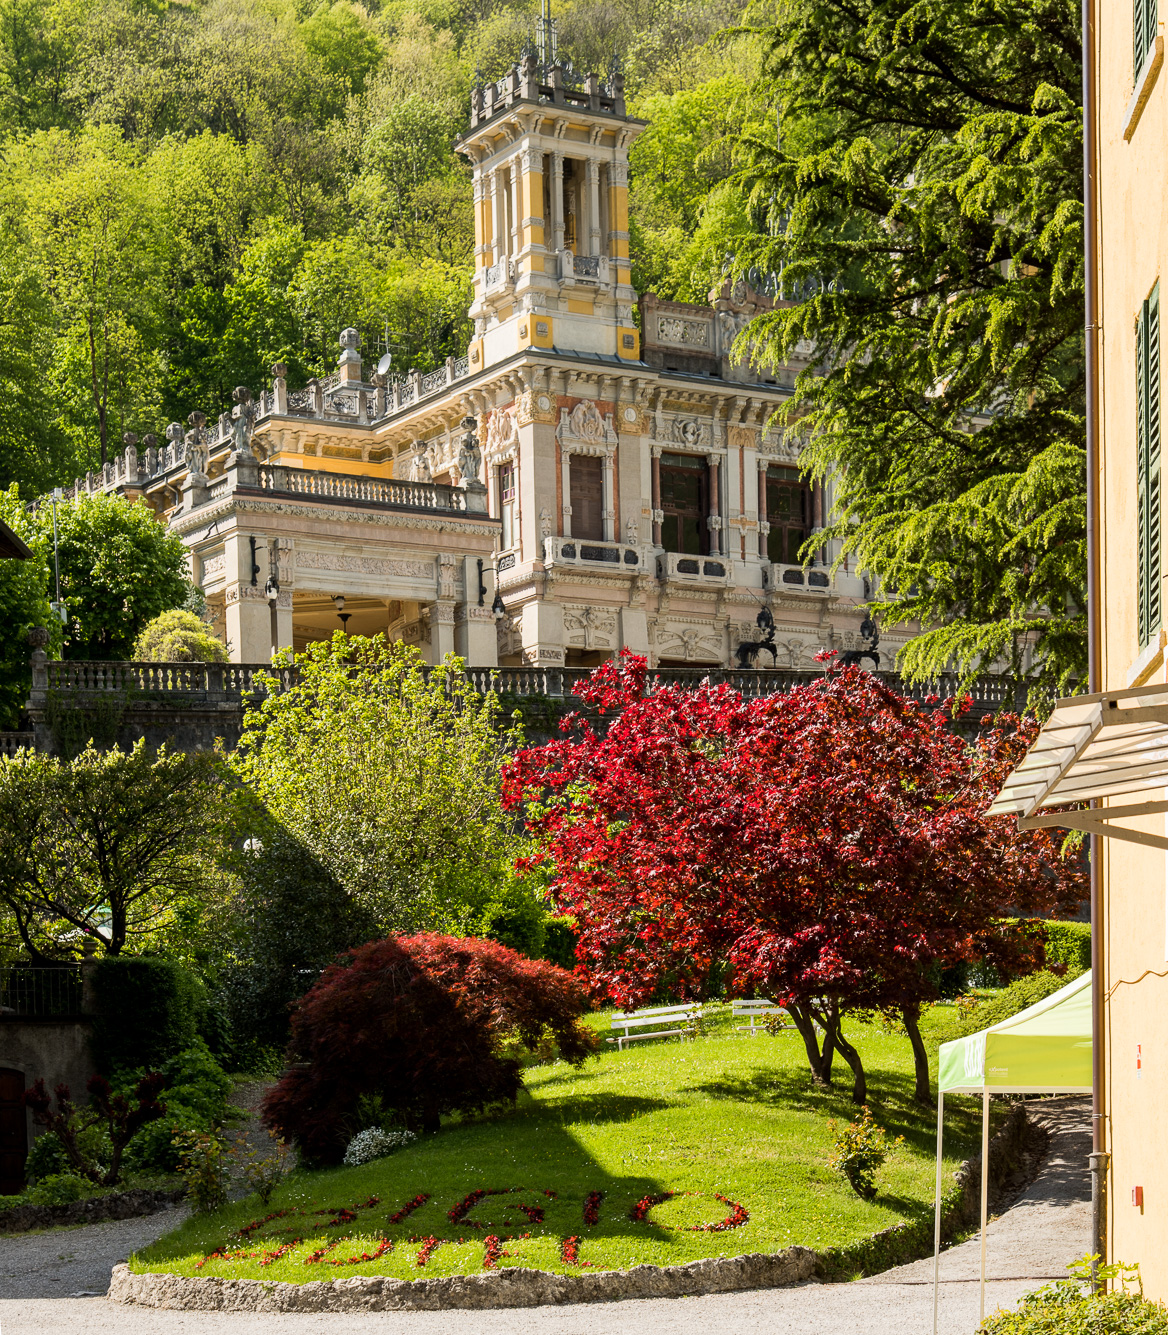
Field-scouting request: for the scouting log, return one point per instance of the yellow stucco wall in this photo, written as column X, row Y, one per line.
column 1133, row 186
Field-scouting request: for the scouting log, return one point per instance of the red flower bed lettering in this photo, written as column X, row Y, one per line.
column 494, row 1252
column 592, row 1207
column 410, row 1206
column 738, row 1216
column 429, row 1246
column 570, row 1252
column 458, row 1215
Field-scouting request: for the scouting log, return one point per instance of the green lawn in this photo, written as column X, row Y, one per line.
column 725, row 1116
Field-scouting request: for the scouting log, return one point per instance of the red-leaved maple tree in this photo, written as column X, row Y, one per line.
column 829, row 846
column 426, row 1024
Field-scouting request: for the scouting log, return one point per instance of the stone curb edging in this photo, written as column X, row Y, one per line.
column 513, row 1287
column 523, row 1287
column 95, row 1210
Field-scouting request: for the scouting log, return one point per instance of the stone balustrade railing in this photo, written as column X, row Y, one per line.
column 231, row 681
column 364, row 490
column 224, row 680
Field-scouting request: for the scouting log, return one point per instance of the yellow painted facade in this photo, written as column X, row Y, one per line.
column 1133, row 259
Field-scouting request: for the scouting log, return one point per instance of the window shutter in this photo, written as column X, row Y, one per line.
column 586, row 488
column 1148, row 466
column 1144, row 24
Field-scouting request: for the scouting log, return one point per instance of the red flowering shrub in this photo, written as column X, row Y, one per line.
column 829, row 844
column 422, row 1022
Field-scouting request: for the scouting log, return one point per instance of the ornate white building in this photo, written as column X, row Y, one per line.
column 614, row 485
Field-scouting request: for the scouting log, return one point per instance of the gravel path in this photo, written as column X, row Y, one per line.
column 1032, row 1242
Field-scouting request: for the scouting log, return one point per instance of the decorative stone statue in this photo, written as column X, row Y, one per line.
column 198, row 452
column 470, row 457
column 632, row 531
column 242, row 419
column 420, row 464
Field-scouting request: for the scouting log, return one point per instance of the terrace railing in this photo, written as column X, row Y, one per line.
column 41, row 993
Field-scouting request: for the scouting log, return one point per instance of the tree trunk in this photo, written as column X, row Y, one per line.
column 852, row 1057
column 922, row 1093
column 820, row 1061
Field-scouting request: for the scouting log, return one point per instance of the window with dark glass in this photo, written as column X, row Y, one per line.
column 586, row 481
column 685, row 504
column 507, row 503
column 1148, row 465
column 788, row 500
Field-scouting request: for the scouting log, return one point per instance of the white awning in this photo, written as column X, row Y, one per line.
column 1094, row 746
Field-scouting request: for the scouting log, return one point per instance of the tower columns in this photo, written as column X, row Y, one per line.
column 500, row 212
column 593, row 173
column 516, row 207
column 557, row 194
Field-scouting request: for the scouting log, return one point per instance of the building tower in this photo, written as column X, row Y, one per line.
column 551, row 215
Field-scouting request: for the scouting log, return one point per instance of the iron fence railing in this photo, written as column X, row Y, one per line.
column 41, row 993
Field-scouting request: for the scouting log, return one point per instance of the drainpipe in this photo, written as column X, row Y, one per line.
column 1099, row 1155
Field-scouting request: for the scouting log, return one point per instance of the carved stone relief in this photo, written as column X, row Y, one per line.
column 590, row 627
column 364, row 565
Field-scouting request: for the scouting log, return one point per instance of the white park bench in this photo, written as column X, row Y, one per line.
column 664, row 1022
column 756, row 1012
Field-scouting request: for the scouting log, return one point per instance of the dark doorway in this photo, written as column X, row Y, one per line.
column 586, row 483
column 684, row 504
column 788, row 500
column 13, row 1132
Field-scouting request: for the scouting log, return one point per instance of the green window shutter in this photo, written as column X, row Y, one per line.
column 1144, row 22
column 1148, row 465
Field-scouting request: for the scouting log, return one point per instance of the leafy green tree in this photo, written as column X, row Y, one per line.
column 108, row 846
column 120, row 568
column 924, row 211
column 178, row 636
column 388, row 775
column 86, row 213
column 24, row 603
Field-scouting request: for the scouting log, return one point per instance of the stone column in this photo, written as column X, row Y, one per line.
column 516, row 204
column 566, row 490
column 763, row 525
column 475, row 637
column 715, row 520
column 608, row 494
column 499, row 205
column 248, row 616
column 655, row 501
column 557, row 193
column 441, row 630
column 593, row 169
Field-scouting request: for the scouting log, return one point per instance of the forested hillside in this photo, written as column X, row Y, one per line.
column 195, row 190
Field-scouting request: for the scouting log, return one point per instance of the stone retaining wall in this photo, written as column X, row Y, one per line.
column 117, row 1205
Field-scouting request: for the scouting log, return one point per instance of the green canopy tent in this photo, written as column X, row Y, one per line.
column 1045, row 1049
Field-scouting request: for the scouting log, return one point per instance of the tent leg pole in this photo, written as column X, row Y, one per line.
column 937, row 1211
column 985, row 1185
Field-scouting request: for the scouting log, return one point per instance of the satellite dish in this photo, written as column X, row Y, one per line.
column 384, row 364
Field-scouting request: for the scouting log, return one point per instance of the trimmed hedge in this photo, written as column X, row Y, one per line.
column 1068, row 943
column 146, row 1011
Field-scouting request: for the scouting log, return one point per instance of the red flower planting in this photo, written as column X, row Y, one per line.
column 410, row 1206
column 639, row 1214
column 494, row 1252
column 429, row 1246
column 458, row 1214
column 592, row 1207
column 570, row 1252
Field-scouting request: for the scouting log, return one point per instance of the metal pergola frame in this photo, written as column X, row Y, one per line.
column 1094, row 748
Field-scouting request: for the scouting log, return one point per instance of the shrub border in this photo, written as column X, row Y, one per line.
column 522, row 1287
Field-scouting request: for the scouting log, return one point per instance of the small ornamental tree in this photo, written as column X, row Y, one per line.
column 427, row 1024
column 829, row 845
